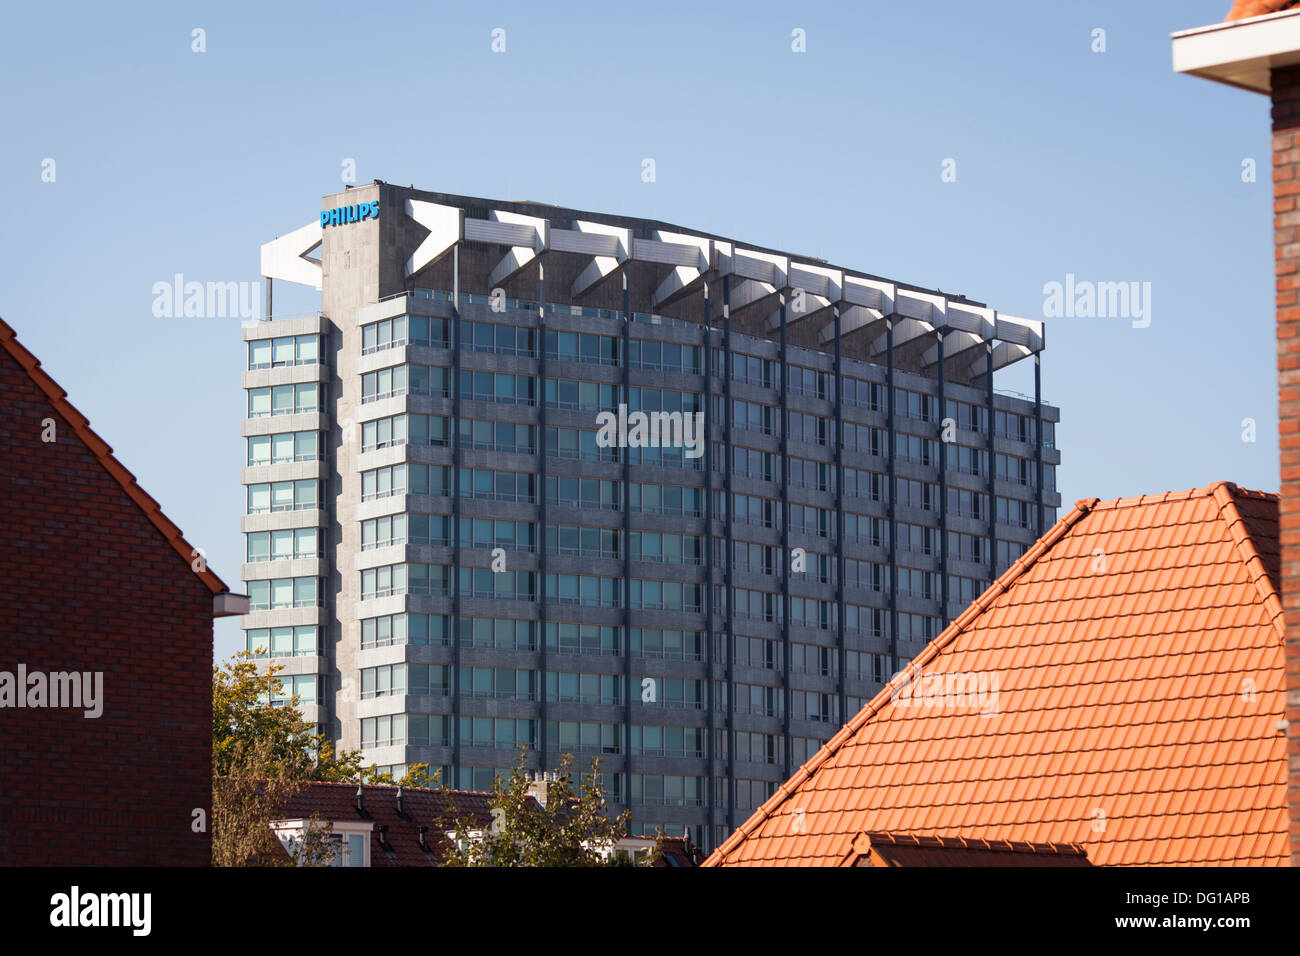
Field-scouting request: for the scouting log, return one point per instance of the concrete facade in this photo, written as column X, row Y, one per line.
column 698, row 697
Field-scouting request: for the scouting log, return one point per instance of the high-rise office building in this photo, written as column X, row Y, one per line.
column 452, row 561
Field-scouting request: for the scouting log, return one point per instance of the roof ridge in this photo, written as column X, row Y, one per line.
column 1081, row 509
column 1224, row 494
column 1141, row 501
column 103, row 452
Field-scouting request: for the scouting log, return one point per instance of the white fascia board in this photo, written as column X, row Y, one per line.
column 870, row 293
column 817, row 280
column 286, row 258
column 977, row 320
column 853, row 319
column 761, row 267
column 919, row 305
column 445, row 229
column 1027, row 332
column 954, row 343
column 691, row 251
column 540, row 227
column 1241, row 53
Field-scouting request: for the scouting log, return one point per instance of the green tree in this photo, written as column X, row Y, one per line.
column 261, row 755
column 242, row 715
column 573, row 828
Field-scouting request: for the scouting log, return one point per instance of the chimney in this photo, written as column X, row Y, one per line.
column 399, row 803
column 361, row 800
column 424, row 840
column 539, row 788
column 1262, row 55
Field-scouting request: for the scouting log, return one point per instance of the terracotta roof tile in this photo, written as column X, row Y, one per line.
column 78, row 422
column 1123, row 721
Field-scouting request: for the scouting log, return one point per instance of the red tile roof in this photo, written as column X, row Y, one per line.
column 1131, row 666
column 421, row 807
column 1244, row 9
column 906, row 849
column 58, row 398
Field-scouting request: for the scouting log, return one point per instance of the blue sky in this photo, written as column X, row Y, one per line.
column 1106, row 165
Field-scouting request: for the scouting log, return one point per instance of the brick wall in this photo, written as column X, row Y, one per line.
column 1286, row 226
column 90, row 584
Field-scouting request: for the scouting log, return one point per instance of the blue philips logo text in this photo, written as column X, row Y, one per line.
column 343, row 215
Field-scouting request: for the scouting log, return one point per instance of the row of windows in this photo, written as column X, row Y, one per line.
column 401, row 629
column 282, row 545
column 281, row 641
column 415, row 730
column 413, row 528
column 598, row 591
column 393, row 579
column 665, row 356
column 285, row 399
column 412, row 479
column 284, row 351
column 512, row 634
column 268, row 497
column 498, row 387
column 403, row 380
column 404, row 429
column 275, row 593
column 495, row 338
column 403, row 330
column 283, row 448
column 582, row 444
column 398, row 679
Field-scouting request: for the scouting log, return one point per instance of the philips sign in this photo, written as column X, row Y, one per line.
column 343, row 215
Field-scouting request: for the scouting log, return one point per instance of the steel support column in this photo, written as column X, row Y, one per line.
column 943, row 489
column 626, row 496
column 711, row 802
column 1038, row 442
column 730, row 506
column 455, row 515
column 893, row 496
column 993, row 469
column 842, row 654
column 785, row 541
column 542, row 468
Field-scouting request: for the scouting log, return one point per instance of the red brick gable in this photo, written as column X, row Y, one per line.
column 94, row 579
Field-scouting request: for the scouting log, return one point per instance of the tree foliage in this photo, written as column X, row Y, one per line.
column 573, row 828
column 261, row 755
